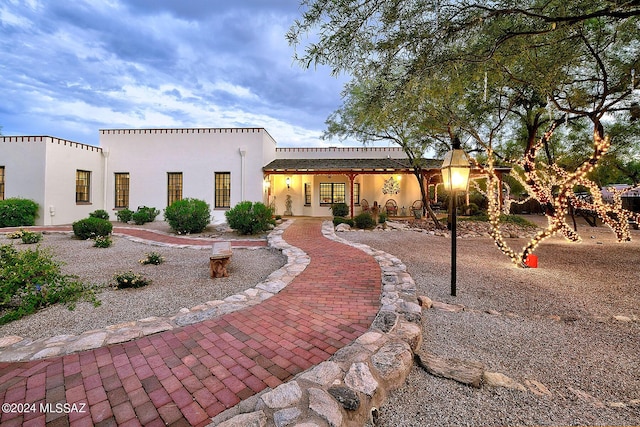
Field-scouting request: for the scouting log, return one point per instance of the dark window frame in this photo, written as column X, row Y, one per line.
column 332, row 192
column 174, row 187
column 83, row 186
column 121, row 190
column 222, row 189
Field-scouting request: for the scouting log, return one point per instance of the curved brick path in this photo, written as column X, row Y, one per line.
column 186, row 376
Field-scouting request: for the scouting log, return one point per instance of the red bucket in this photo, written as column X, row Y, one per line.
column 531, row 261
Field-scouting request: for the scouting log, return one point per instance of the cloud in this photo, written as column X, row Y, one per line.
column 70, row 68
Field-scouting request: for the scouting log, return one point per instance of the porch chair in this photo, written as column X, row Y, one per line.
column 364, row 204
column 391, row 207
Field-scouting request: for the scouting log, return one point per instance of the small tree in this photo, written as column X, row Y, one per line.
column 188, row 216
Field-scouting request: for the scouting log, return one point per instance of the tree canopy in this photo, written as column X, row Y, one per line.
column 503, row 76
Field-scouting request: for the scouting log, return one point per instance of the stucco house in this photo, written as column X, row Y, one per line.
column 223, row 166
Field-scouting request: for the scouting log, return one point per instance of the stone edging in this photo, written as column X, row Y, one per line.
column 347, row 388
column 14, row 348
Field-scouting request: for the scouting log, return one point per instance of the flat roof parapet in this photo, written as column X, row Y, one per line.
column 51, row 139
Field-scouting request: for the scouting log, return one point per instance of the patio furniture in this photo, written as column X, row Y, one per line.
column 391, row 207
column 364, row 204
column 417, row 208
column 220, row 257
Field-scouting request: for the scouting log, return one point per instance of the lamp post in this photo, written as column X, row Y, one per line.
column 455, row 175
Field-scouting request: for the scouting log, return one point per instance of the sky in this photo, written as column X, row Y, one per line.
column 70, row 68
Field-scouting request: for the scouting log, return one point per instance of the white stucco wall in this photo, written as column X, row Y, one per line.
column 24, row 161
column 64, row 158
column 43, row 168
column 149, row 154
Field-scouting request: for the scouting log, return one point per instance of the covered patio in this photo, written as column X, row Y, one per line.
column 309, row 186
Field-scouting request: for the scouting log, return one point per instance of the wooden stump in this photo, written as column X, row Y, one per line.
column 218, row 266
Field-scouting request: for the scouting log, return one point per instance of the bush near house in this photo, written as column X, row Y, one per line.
column 145, row 214
column 32, row 279
column 188, row 215
column 90, row 228
column 250, row 218
column 364, row 221
column 340, row 210
column 100, row 213
column 124, row 215
column 16, row 212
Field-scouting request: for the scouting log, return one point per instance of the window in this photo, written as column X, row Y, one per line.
column 223, row 189
column 356, row 193
column 307, row 194
column 83, row 186
column 174, row 187
column 122, row 190
column 1, row 182
column 332, row 193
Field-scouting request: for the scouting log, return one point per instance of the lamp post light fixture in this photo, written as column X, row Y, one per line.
column 455, row 175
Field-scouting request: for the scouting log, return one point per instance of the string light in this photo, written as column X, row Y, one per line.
column 553, row 187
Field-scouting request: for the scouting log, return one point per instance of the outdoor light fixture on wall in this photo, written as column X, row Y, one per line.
column 455, row 175
column 288, row 181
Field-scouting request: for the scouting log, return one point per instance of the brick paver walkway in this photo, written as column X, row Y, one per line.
column 186, row 376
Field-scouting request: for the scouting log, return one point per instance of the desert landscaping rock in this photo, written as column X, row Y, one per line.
column 512, row 322
column 465, row 372
column 346, row 397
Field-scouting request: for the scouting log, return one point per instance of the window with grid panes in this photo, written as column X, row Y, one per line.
column 356, row 193
column 121, row 190
column 307, row 194
column 223, row 190
column 83, row 186
column 174, row 187
column 332, row 192
column 1, row 182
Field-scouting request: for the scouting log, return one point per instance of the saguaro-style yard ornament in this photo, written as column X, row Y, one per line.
column 455, row 175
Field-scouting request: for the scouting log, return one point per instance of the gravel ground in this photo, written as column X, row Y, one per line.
column 181, row 281
column 555, row 326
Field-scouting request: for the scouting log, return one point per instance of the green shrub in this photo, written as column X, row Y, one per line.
column 470, row 209
column 103, row 242
column 340, row 209
column 382, row 218
column 130, row 279
column 518, row 220
column 364, row 221
column 32, row 279
column 145, row 214
column 124, row 215
column 30, row 237
column 340, row 220
column 16, row 212
column 152, row 258
column 100, row 213
column 188, row 216
column 250, row 218
column 90, row 228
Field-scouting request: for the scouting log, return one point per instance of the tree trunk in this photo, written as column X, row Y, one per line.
column 426, row 207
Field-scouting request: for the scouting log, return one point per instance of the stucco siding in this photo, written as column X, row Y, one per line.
column 24, row 161
column 148, row 155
